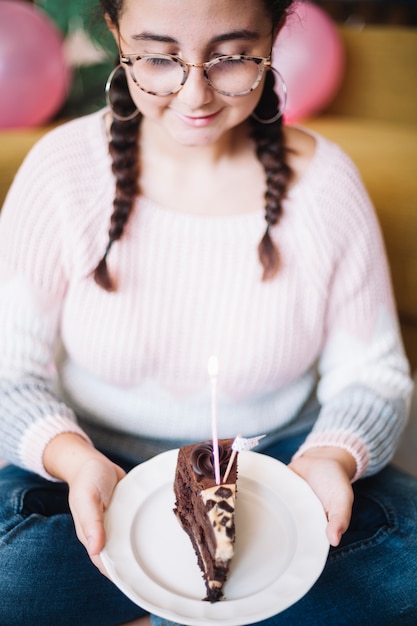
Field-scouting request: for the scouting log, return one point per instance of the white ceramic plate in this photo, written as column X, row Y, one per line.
column 280, row 551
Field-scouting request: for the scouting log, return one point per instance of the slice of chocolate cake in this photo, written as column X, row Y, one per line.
column 206, row 510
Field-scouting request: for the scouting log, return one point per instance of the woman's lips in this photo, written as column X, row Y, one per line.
column 197, row 121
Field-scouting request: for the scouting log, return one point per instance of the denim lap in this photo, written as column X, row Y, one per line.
column 46, row 576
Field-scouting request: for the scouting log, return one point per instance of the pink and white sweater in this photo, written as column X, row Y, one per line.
column 189, row 286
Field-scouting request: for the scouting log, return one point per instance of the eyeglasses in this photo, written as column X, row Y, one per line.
column 165, row 74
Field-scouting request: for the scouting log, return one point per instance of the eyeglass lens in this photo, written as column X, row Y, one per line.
column 163, row 75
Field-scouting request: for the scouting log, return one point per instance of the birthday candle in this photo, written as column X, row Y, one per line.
column 213, row 369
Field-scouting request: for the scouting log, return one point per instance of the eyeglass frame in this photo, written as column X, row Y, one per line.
column 264, row 63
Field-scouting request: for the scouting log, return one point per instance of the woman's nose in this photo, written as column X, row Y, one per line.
column 196, row 91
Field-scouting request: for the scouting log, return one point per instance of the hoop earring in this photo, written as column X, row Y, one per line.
column 117, row 116
column 282, row 94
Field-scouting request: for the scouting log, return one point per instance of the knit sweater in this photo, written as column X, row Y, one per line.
column 189, row 286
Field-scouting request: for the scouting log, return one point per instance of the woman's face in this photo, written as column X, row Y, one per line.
column 196, row 32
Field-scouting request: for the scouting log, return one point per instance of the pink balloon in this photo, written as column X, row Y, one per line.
column 34, row 75
column 310, row 56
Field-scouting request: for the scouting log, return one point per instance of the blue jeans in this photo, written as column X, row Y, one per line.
column 46, row 577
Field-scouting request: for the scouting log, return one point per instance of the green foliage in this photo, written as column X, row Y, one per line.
column 88, row 80
column 68, row 14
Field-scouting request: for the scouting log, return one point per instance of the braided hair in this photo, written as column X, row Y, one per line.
column 124, row 151
column 271, row 151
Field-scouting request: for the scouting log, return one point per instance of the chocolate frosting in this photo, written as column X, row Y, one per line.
column 202, row 458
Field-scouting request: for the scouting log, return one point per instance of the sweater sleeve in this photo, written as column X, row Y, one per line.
column 364, row 386
column 32, row 288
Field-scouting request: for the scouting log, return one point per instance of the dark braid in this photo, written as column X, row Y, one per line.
column 271, row 152
column 124, row 151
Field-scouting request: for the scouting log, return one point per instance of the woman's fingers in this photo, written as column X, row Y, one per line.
column 87, row 510
column 337, row 525
column 90, row 493
column 329, row 477
column 99, row 564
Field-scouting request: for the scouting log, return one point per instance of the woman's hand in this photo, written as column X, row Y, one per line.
column 329, row 471
column 90, row 491
column 91, row 478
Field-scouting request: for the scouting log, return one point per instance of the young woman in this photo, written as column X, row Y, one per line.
column 186, row 220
